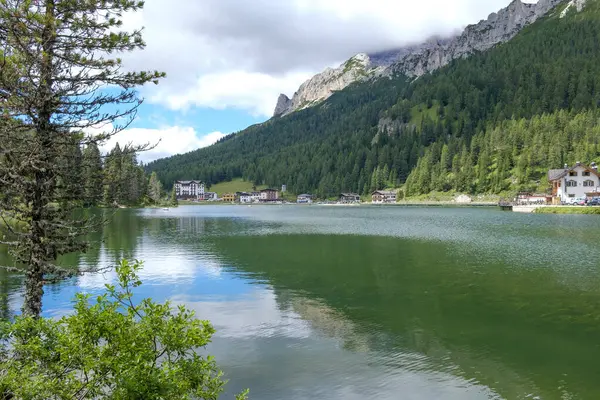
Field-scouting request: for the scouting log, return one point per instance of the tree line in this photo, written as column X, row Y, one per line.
column 112, row 180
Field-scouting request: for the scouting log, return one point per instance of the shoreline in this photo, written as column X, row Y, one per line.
column 568, row 210
column 398, row 204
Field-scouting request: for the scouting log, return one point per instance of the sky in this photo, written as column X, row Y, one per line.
column 227, row 61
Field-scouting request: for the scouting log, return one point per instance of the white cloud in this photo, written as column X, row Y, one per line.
column 252, row 91
column 168, row 141
column 242, row 54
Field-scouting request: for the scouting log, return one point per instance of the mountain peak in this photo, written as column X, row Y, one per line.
column 419, row 59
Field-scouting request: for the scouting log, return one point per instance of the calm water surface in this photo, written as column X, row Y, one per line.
column 370, row 303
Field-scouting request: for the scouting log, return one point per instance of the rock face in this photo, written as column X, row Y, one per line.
column 283, row 104
column 322, row 85
column 417, row 60
column 578, row 4
column 500, row 27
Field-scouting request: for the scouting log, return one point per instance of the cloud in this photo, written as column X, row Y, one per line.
column 242, row 54
column 167, row 141
column 254, row 92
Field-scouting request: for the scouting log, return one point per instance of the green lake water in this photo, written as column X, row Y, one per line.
column 317, row 302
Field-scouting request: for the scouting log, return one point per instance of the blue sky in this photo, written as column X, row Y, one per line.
column 227, row 61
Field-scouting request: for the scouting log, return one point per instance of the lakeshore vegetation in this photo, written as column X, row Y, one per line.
column 568, row 210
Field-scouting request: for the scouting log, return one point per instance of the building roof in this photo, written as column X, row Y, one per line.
column 305, row 195
column 555, row 174
column 349, row 195
column 269, row 190
column 384, row 192
column 188, row 182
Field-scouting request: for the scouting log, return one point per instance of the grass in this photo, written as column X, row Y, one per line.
column 569, row 210
column 236, row 185
column 419, row 112
column 449, row 197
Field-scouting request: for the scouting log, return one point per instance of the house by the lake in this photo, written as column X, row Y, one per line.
column 349, row 198
column 229, row 197
column 186, row 190
column 267, row 195
column 304, row 199
column 528, row 198
column 255, row 197
column 578, row 181
column 245, row 198
column 383, row 196
column 211, row 196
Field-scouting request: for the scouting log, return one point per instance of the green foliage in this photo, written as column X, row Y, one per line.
column 111, row 348
column 93, row 178
column 173, row 198
column 512, row 155
column 568, row 210
column 155, row 189
column 124, row 181
column 235, row 185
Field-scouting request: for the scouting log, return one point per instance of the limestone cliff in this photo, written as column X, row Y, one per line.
column 420, row 59
column 499, row 27
column 322, row 85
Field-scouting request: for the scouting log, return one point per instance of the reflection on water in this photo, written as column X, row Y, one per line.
column 387, row 303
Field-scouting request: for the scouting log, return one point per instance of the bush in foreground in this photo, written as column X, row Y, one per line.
column 110, row 348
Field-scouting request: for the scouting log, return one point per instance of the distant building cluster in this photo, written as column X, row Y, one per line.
column 195, row 190
column 263, row 196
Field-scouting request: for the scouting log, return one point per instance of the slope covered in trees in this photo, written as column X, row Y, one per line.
column 467, row 118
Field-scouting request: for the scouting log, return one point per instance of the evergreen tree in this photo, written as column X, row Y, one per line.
column 93, row 177
column 173, row 198
column 112, row 177
column 56, row 55
column 155, row 190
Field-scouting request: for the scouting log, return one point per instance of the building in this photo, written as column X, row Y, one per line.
column 573, row 182
column 526, row 198
column 245, row 198
column 348, row 198
column 304, row 199
column 267, row 195
column 255, row 197
column 383, row 196
column 229, row 197
column 186, row 190
column 211, row 196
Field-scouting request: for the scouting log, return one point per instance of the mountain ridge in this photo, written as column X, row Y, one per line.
column 419, row 59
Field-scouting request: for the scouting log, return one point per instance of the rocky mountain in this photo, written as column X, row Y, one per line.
column 322, row 85
column 416, row 60
column 499, row 27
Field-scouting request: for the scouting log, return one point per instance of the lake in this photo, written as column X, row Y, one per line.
column 317, row 302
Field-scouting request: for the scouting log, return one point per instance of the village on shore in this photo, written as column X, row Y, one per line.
column 578, row 185
column 195, row 191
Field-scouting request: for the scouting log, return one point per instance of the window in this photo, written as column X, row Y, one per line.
column 572, row 173
column 571, row 183
column 571, row 195
column 586, row 173
column 588, row 183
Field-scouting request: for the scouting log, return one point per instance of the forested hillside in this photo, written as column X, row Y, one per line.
column 493, row 122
